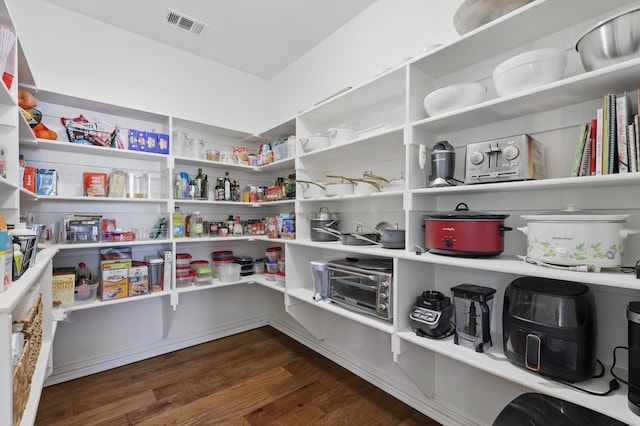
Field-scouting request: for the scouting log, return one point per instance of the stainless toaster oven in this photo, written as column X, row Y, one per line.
column 362, row 284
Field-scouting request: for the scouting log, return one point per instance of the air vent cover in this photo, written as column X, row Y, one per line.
column 180, row 20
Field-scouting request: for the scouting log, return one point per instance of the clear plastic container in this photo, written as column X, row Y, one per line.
column 280, row 279
column 185, row 281
column 178, row 142
column 136, row 187
column 229, row 272
column 271, row 266
column 183, row 272
column 85, row 293
column 273, row 253
column 281, row 265
column 183, row 260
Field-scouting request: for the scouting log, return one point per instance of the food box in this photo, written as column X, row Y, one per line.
column 6, row 260
column 46, row 182
column 83, row 230
column 116, row 253
column 133, row 140
column 63, row 286
column 29, row 179
column 151, row 142
column 163, row 143
column 115, row 283
column 95, row 184
column 138, row 279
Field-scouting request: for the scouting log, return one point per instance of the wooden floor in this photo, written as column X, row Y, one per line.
column 260, row 377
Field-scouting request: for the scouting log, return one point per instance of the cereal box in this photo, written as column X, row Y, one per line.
column 63, row 286
column 138, row 279
column 115, row 283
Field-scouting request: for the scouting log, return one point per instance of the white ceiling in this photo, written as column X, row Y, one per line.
column 260, row 37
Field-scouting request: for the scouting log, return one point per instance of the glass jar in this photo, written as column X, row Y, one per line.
column 178, row 142
column 196, row 224
column 196, row 148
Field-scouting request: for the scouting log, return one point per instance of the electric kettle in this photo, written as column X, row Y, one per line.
column 443, row 164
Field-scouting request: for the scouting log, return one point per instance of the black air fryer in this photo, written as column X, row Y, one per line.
column 549, row 327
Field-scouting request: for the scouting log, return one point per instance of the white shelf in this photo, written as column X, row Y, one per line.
column 229, row 238
column 233, row 203
column 66, row 146
column 490, row 40
column 102, row 244
column 287, row 163
column 306, row 296
column 364, row 142
column 6, row 184
column 249, row 279
column 370, row 250
column 569, row 91
column 614, row 180
column 83, row 199
column 100, row 303
column 355, row 197
column 495, row 362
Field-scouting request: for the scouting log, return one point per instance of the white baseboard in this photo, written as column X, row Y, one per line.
column 65, row 373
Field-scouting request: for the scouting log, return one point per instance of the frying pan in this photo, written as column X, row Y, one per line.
column 351, row 239
column 389, row 237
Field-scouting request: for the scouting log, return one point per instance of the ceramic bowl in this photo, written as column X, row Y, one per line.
column 456, row 96
column 529, row 70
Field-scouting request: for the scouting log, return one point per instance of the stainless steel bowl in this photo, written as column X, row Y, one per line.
column 614, row 40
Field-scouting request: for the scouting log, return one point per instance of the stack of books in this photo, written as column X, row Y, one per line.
column 609, row 143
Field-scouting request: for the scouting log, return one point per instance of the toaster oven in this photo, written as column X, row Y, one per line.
column 362, row 285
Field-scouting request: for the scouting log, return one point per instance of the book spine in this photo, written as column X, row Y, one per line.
column 631, row 135
column 577, row 158
column 612, row 164
column 592, row 165
column 586, row 152
column 599, row 140
column 622, row 120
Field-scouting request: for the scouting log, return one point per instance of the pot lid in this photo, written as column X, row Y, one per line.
column 323, row 214
column 462, row 212
column 571, row 213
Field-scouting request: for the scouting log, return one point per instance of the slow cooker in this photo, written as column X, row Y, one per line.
column 463, row 232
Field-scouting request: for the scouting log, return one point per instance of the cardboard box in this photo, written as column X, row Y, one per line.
column 115, row 283
column 133, row 140
column 63, row 286
column 138, row 279
column 116, row 253
column 6, row 260
column 163, row 143
column 151, row 144
column 142, row 140
column 29, row 179
column 95, row 184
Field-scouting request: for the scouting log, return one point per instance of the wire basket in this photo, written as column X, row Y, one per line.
column 29, row 248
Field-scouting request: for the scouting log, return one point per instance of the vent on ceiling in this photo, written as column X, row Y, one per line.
column 186, row 23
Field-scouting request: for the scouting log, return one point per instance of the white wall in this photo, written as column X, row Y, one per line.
column 381, row 36
column 71, row 54
column 82, row 57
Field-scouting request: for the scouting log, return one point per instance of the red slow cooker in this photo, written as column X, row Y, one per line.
column 462, row 232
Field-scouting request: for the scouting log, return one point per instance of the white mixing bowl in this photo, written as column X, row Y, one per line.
column 529, row 70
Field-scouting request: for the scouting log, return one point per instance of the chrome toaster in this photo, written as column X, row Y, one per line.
column 507, row 159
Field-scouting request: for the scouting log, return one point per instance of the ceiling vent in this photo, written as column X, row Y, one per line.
column 186, row 23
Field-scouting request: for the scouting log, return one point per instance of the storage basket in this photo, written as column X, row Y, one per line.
column 23, row 372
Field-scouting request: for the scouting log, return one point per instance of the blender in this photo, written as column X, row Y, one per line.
column 472, row 309
column 443, row 163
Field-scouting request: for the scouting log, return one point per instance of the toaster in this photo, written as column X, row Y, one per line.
column 549, row 327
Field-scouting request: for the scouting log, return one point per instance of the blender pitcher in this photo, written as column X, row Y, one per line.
column 472, row 305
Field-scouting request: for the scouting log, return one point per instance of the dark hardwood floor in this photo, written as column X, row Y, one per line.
column 260, row 377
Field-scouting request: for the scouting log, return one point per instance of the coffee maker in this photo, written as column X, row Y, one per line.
column 633, row 316
column 472, row 308
column 443, row 164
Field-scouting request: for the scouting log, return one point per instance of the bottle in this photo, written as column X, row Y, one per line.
column 187, row 225
column 196, row 225
column 198, row 184
column 219, row 191
column 204, row 193
column 83, row 274
column 177, row 188
column 237, row 228
column 178, row 223
column 235, row 190
column 192, row 189
column 184, row 184
column 227, row 187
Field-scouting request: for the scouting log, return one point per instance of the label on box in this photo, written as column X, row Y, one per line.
column 46, row 182
column 142, row 142
column 6, row 260
column 133, row 140
column 115, row 283
column 95, row 184
column 63, row 287
column 114, row 253
column 138, row 280
column 151, row 144
column 163, row 143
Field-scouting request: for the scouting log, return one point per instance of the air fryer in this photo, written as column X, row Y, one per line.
column 549, row 327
